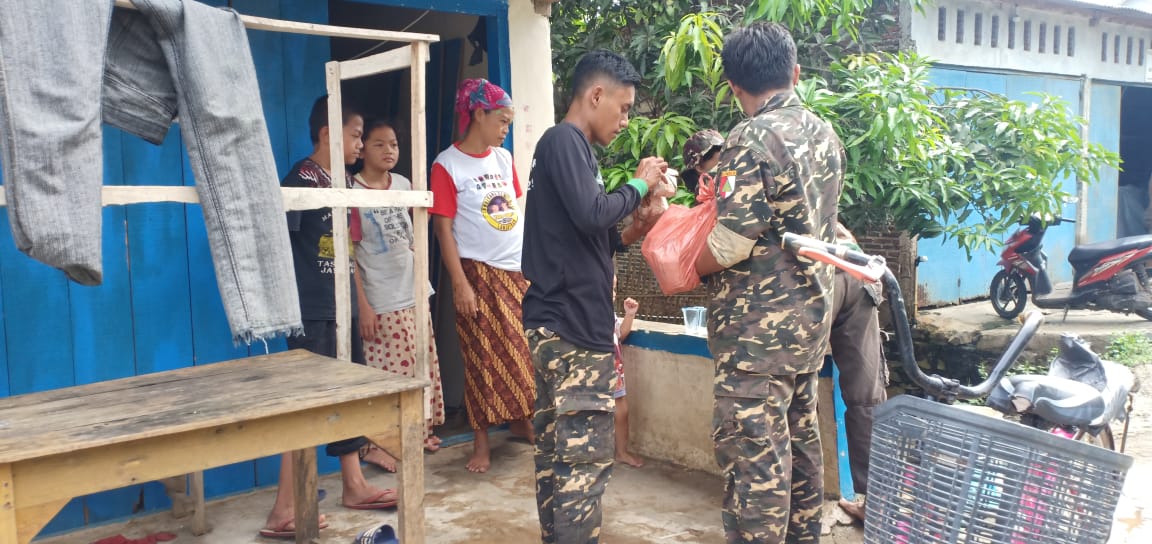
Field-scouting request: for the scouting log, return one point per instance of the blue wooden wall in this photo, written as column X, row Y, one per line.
column 159, row 307
column 949, row 276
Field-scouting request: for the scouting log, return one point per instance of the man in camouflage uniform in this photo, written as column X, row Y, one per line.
column 781, row 171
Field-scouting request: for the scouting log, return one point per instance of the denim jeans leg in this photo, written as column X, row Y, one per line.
column 210, row 66
column 51, row 63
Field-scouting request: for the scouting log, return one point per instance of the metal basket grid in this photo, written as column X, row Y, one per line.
column 942, row 474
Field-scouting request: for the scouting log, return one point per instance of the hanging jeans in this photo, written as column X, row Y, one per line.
column 67, row 64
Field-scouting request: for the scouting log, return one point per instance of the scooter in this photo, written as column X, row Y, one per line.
column 1110, row 275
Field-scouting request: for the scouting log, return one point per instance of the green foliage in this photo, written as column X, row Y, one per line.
column 1129, row 349
column 964, row 164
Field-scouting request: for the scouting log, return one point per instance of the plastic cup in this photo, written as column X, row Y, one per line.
column 694, row 321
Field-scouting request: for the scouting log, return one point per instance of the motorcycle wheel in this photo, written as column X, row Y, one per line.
column 1008, row 293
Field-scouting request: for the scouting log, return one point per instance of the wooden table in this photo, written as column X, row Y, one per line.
column 71, row 442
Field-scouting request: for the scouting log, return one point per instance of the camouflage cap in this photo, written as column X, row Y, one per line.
column 699, row 145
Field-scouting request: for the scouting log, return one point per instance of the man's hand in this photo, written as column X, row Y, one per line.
column 631, row 306
column 651, row 171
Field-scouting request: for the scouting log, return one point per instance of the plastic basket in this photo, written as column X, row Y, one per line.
column 941, row 474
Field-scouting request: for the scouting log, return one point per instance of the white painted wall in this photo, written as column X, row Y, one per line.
column 529, row 36
column 1086, row 60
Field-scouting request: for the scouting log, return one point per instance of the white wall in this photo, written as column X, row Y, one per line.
column 925, row 32
column 531, row 51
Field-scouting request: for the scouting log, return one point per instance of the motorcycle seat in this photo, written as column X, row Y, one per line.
column 1089, row 253
column 1062, row 401
column 1058, row 400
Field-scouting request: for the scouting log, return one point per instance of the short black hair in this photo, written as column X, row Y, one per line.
column 759, row 57
column 380, row 122
column 601, row 63
column 318, row 119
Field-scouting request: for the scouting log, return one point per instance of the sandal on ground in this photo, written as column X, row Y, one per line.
column 286, row 530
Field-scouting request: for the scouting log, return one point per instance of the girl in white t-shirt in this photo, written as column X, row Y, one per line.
column 385, row 264
column 481, row 231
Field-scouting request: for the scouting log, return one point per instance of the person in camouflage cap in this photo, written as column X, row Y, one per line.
column 701, row 154
column 781, row 171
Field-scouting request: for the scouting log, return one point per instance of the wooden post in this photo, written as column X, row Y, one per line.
column 412, row 423
column 340, row 260
column 420, row 214
column 304, row 486
column 412, row 467
column 9, row 533
column 199, row 514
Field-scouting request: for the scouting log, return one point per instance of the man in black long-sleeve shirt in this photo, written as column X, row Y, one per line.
column 568, row 246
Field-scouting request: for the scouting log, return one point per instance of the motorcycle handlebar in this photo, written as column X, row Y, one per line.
column 863, row 267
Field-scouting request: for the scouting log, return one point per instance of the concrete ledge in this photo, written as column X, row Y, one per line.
column 669, row 377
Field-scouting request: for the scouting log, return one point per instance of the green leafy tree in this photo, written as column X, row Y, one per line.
column 957, row 163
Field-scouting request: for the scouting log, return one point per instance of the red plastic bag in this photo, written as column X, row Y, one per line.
column 676, row 240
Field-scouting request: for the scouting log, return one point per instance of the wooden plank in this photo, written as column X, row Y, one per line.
column 295, row 198
column 340, row 239
column 276, row 25
column 420, row 215
column 159, row 260
column 8, row 526
column 36, row 308
column 86, row 470
column 147, row 406
column 30, row 521
column 411, row 467
column 307, row 509
column 200, row 513
column 101, row 324
column 380, row 63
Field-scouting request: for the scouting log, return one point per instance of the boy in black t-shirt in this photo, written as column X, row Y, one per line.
column 310, row 233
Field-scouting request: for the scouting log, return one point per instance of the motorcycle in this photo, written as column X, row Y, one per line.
column 1111, row 276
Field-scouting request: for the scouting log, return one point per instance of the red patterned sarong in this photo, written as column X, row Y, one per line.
column 499, row 385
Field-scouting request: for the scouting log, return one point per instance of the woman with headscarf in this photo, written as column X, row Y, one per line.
column 480, row 245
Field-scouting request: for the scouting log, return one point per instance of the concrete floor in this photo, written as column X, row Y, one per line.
column 657, row 503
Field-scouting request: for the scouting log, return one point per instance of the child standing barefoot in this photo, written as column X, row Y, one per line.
column 623, row 329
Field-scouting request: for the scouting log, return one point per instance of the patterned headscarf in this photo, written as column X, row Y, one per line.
column 475, row 94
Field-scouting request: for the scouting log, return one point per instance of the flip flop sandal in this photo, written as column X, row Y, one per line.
column 284, row 532
column 377, row 535
column 376, row 503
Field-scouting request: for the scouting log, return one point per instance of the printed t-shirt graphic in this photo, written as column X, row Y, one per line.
column 480, row 192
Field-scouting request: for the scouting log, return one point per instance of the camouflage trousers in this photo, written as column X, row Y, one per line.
column 575, row 436
column 769, row 450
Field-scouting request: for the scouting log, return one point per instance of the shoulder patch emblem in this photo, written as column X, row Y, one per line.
column 727, row 183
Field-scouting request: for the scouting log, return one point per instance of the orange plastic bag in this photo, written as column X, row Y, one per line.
column 676, row 240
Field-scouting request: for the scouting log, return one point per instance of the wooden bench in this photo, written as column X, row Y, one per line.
column 66, row 443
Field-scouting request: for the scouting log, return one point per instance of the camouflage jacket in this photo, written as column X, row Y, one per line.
column 781, row 171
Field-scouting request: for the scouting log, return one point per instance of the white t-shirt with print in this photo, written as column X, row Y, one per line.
column 385, row 251
column 480, row 192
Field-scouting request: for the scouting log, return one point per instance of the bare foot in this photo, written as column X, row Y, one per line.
column 628, row 459
column 855, row 509
column 379, row 458
column 432, row 444
column 280, row 525
column 367, row 497
column 481, row 459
